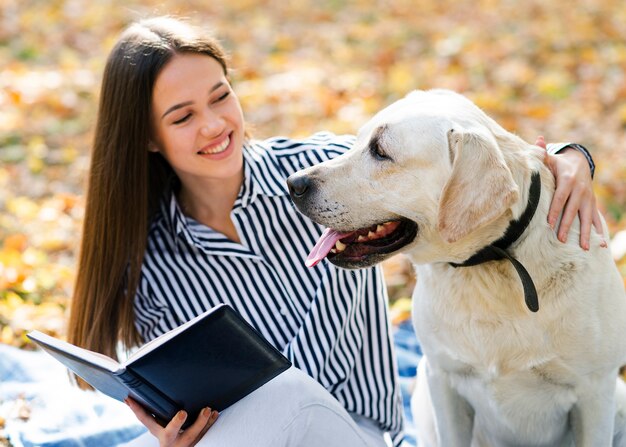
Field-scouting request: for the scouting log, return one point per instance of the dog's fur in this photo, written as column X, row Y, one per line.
column 494, row 373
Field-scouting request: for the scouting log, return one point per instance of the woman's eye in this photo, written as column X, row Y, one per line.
column 183, row 119
column 223, row 97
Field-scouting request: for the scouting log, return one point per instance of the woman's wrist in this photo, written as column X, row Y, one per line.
column 559, row 148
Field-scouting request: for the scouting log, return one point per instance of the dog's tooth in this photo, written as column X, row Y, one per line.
column 371, row 235
column 387, row 223
column 379, row 228
column 361, row 239
column 332, row 250
column 340, row 246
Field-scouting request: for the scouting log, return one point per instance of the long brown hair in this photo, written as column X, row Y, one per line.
column 126, row 182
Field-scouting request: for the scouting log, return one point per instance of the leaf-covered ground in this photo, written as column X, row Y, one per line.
column 554, row 68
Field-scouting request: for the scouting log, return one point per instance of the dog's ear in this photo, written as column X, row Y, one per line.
column 480, row 189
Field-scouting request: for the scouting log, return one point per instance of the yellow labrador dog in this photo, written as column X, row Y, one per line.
column 523, row 335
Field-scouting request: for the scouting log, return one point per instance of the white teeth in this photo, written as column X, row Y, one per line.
column 340, row 246
column 332, row 250
column 382, row 230
column 217, row 149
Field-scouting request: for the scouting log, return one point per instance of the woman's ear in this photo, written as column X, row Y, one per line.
column 152, row 147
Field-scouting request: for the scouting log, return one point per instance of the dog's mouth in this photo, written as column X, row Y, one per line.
column 363, row 247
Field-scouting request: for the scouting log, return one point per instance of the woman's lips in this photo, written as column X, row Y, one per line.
column 217, row 148
column 220, row 151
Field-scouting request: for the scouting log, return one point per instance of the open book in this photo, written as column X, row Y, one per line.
column 213, row 360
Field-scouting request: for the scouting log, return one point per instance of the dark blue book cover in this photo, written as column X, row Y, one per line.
column 213, row 360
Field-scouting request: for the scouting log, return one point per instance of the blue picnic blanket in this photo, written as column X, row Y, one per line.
column 42, row 409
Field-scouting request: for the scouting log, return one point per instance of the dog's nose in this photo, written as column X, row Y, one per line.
column 298, row 185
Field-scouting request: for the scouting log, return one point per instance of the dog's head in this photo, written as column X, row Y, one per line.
column 424, row 173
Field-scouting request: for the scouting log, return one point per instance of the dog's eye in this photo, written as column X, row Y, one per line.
column 378, row 153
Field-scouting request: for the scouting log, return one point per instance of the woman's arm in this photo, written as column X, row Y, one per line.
column 170, row 435
column 573, row 195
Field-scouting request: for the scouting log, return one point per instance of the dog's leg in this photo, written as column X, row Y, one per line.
column 593, row 417
column 422, row 409
column 619, row 439
column 450, row 419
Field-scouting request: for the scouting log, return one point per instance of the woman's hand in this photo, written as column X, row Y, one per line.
column 171, row 435
column 573, row 195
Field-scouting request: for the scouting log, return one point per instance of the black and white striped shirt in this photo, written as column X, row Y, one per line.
column 331, row 323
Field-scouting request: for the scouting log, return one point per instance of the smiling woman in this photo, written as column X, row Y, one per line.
column 124, row 171
column 198, row 128
column 184, row 213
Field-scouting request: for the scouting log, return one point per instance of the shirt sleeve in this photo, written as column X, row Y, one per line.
column 152, row 318
column 555, row 148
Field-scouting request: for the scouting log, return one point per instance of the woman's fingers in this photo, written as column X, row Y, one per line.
column 196, row 431
column 585, row 214
column 564, row 186
column 572, row 206
column 541, row 142
column 597, row 224
column 212, row 418
column 146, row 419
column 170, row 433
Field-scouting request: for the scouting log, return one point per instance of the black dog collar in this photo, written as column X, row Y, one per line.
column 498, row 249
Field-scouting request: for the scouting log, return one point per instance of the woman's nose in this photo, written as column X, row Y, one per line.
column 212, row 125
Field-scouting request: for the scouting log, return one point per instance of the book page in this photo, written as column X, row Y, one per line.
column 67, row 349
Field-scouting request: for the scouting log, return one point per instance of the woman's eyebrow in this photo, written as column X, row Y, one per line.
column 176, row 107
column 188, row 103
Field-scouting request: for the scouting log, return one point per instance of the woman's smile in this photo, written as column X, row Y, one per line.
column 217, row 151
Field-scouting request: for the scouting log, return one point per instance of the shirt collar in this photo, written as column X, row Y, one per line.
column 263, row 175
column 174, row 218
column 262, row 168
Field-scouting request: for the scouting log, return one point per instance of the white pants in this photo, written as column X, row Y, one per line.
column 291, row 410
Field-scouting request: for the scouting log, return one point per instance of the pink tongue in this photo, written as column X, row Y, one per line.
column 326, row 241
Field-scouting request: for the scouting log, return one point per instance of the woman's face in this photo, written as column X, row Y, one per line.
column 197, row 120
